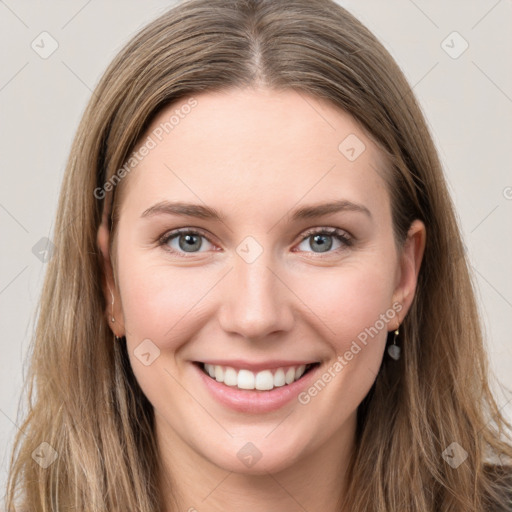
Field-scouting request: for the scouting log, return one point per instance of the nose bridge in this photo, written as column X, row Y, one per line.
column 255, row 303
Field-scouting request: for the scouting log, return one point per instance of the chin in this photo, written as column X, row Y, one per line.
column 256, row 458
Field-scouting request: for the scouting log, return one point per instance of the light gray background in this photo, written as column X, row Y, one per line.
column 467, row 101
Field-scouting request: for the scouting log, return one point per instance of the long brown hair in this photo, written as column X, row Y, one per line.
column 83, row 399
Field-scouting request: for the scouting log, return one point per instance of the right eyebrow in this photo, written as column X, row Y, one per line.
column 183, row 209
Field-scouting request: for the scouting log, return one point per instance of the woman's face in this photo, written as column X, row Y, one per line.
column 273, row 281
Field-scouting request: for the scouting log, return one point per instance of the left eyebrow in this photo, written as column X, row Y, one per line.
column 319, row 210
column 206, row 212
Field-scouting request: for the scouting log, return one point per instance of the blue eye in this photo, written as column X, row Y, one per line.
column 187, row 240
column 323, row 239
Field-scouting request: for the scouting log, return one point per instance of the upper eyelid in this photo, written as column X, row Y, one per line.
column 178, row 231
column 327, row 230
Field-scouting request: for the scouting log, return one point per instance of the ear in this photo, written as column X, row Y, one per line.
column 410, row 259
column 111, row 293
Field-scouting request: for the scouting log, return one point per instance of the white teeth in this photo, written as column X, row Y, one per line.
column 264, row 380
column 290, row 375
column 219, row 374
column 300, row 371
column 245, row 379
column 230, row 377
column 279, row 379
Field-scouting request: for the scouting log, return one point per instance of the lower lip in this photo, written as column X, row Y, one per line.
column 255, row 402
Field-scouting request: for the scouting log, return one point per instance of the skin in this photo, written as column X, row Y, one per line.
column 255, row 155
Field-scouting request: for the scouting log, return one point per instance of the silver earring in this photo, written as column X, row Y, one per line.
column 394, row 350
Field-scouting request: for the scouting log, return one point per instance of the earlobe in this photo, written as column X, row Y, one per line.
column 410, row 264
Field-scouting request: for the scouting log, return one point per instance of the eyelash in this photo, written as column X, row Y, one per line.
column 338, row 234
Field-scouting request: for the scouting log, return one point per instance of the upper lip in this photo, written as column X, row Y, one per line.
column 252, row 366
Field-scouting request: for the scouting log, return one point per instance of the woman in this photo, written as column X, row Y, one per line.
column 259, row 298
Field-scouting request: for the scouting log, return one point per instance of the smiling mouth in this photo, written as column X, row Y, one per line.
column 264, row 380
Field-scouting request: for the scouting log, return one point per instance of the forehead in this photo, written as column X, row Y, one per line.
column 256, row 146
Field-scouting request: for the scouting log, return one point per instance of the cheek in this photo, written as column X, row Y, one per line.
column 354, row 314
column 159, row 300
column 349, row 299
column 161, row 304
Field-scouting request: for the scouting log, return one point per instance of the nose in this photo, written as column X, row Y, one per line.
column 255, row 300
